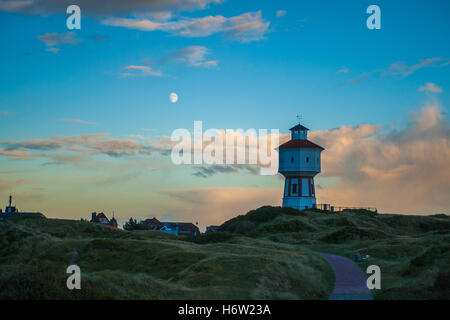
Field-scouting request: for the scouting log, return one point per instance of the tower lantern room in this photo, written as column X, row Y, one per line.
column 10, row 208
column 299, row 162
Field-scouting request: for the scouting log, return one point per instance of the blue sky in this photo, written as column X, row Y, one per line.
column 318, row 59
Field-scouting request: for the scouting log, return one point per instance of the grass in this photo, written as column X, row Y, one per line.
column 117, row 264
column 413, row 252
column 268, row 253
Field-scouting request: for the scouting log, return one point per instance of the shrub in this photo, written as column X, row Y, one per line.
column 245, row 227
column 133, row 225
column 263, row 214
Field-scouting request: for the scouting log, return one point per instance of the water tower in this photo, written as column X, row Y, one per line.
column 299, row 162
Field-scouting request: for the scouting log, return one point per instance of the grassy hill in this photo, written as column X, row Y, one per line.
column 269, row 253
column 413, row 252
column 117, row 264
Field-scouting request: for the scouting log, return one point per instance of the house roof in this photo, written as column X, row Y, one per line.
column 298, row 127
column 152, row 221
column 101, row 215
column 182, row 226
column 295, row 144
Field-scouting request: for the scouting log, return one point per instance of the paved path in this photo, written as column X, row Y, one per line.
column 350, row 280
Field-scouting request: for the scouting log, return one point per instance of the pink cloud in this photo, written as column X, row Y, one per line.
column 405, row 170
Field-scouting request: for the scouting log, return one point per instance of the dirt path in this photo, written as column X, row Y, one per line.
column 350, row 283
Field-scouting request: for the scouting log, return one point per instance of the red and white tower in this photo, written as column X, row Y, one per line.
column 299, row 162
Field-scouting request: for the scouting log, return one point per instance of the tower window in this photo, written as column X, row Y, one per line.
column 292, row 159
column 307, row 159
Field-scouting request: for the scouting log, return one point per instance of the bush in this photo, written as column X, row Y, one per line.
column 353, row 233
column 280, row 225
column 245, row 227
column 440, row 215
column 245, row 223
column 263, row 214
column 133, row 225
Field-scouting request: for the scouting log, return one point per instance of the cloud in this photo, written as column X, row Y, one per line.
column 162, row 15
column 98, row 7
column 144, row 71
column 343, row 70
column 363, row 77
column 92, row 144
column 280, row 13
column 17, row 154
column 54, row 40
column 194, row 56
column 14, row 6
column 79, row 121
column 401, row 170
column 246, row 27
column 98, row 38
column 207, row 171
column 11, row 171
column 79, row 160
column 399, row 69
column 52, row 50
column 233, row 150
column 5, row 113
column 430, row 87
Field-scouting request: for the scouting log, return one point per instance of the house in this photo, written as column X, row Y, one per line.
column 12, row 212
column 153, row 223
column 169, row 228
column 211, row 229
column 187, row 229
column 180, row 228
column 103, row 219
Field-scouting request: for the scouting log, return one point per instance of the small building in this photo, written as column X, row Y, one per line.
column 103, row 219
column 12, row 212
column 180, row 228
column 299, row 161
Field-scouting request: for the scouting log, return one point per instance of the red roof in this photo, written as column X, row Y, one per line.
column 293, row 144
column 101, row 215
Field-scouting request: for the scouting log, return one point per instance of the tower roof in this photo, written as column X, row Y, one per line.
column 294, row 144
column 298, row 127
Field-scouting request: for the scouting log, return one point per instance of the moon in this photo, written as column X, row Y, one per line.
column 173, row 97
